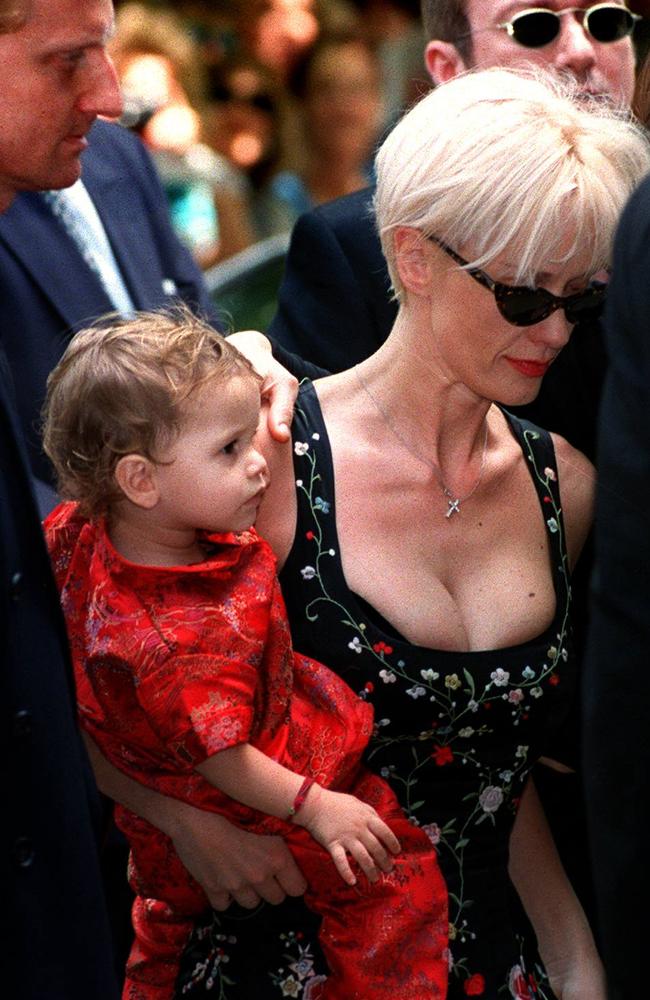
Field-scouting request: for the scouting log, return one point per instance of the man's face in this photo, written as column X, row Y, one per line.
column 55, row 79
column 600, row 68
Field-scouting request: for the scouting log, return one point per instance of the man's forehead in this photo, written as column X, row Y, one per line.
column 499, row 11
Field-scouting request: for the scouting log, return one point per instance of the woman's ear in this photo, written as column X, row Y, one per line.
column 413, row 259
column 136, row 477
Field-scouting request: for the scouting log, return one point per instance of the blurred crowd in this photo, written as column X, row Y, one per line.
column 257, row 110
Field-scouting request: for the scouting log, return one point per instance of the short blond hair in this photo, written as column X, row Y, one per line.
column 518, row 160
column 120, row 388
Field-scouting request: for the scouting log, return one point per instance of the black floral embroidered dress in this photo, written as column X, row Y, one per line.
column 456, row 734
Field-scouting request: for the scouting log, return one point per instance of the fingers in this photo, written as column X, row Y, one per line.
column 220, row 900
column 281, row 393
column 340, row 859
column 384, row 833
column 291, row 879
column 247, row 897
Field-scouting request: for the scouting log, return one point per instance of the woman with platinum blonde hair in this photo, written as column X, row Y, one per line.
column 426, row 536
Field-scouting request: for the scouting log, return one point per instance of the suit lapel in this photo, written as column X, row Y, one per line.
column 52, row 260
column 127, row 227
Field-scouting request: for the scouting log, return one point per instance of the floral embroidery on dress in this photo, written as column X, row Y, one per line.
column 459, row 712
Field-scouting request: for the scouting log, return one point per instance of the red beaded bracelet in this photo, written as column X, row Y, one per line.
column 299, row 800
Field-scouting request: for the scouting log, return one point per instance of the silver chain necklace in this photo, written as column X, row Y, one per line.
column 453, row 502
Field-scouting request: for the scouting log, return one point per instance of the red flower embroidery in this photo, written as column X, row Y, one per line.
column 309, row 536
column 554, row 680
column 369, row 687
column 381, row 647
column 475, row 985
column 547, row 500
column 442, row 756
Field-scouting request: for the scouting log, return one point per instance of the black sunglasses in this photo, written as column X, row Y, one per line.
column 538, row 26
column 523, row 306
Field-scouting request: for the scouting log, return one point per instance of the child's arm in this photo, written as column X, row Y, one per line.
column 340, row 823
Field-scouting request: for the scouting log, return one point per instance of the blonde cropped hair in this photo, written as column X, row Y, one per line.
column 122, row 387
column 501, row 160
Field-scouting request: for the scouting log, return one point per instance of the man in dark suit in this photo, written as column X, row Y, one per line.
column 335, row 256
column 54, row 936
column 47, row 290
column 617, row 683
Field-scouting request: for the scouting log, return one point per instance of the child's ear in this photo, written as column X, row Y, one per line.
column 136, row 477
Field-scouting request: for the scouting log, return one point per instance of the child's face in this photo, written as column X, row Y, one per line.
column 216, row 477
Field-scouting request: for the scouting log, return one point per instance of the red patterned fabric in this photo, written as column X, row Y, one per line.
column 174, row 664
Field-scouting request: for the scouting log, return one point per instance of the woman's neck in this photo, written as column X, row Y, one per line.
column 439, row 420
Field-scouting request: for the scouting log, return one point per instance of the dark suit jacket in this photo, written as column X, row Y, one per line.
column 617, row 677
column 335, row 310
column 54, row 937
column 47, row 291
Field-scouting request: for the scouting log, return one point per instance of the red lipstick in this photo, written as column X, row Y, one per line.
column 531, row 369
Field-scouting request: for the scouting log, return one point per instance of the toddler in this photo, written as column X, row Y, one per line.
column 186, row 678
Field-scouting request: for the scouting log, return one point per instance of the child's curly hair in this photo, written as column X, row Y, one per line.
column 120, row 388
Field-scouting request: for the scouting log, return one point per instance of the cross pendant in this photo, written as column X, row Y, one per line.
column 454, row 507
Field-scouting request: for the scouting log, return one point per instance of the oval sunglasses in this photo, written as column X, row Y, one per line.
column 524, row 306
column 538, row 26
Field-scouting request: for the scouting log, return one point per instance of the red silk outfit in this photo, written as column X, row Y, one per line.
column 175, row 664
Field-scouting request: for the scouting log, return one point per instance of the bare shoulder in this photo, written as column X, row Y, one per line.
column 276, row 518
column 577, row 482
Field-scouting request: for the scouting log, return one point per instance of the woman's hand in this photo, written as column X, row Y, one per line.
column 229, row 863
column 580, row 978
column 345, row 825
column 279, row 387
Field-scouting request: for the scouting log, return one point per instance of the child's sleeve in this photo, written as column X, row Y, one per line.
column 200, row 703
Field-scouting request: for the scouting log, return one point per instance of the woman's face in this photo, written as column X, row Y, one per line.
column 478, row 347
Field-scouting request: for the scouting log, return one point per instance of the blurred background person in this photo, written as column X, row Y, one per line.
column 163, row 80
column 337, row 87
column 247, row 123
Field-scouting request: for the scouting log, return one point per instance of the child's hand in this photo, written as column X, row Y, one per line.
column 345, row 825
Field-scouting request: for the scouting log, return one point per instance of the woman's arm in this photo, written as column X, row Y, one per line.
column 565, row 941
column 227, row 862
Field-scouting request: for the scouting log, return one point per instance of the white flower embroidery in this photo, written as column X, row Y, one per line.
column 500, row 677
column 472, row 705
column 536, row 692
column 550, row 474
column 522, row 751
column 452, row 681
column 416, row 691
column 466, row 733
column 553, row 526
column 514, row 697
column 291, row 987
column 528, row 674
column 301, row 447
column 433, row 832
column 506, row 776
column 387, row 676
column 428, row 675
column 308, row 573
column 315, row 436
column 355, row 644
column 490, row 798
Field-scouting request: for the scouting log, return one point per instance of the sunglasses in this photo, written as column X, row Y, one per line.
column 604, row 22
column 523, row 306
